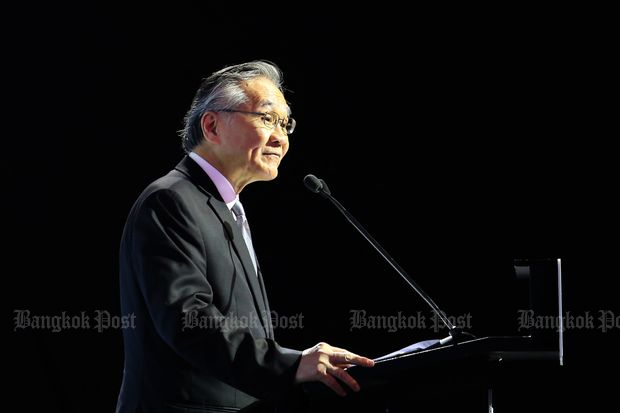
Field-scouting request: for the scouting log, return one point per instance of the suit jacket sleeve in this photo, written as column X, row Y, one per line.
column 169, row 260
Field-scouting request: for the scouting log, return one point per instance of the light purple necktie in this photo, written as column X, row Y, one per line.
column 242, row 222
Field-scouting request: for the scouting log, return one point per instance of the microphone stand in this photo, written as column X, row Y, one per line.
column 319, row 186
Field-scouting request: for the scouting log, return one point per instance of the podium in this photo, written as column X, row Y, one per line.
column 510, row 373
column 481, row 375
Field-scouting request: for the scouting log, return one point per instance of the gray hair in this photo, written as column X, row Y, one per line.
column 222, row 90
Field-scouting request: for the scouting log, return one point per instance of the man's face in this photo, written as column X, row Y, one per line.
column 251, row 150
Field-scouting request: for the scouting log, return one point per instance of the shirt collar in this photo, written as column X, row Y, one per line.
column 221, row 183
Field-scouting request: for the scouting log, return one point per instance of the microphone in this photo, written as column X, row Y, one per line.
column 319, row 186
column 316, row 185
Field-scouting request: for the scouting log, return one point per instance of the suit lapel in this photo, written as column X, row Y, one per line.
column 269, row 325
column 235, row 235
column 190, row 168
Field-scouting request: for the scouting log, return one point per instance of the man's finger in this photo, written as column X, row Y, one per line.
column 351, row 358
column 333, row 384
column 344, row 377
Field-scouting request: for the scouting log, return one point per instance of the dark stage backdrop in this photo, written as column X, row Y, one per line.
column 459, row 145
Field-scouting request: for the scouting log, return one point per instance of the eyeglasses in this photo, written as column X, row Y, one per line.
column 270, row 119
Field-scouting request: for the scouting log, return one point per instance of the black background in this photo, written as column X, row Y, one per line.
column 460, row 143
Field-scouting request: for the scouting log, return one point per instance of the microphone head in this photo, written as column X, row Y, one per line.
column 324, row 188
column 313, row 183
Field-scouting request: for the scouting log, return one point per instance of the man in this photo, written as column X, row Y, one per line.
column 186, row 251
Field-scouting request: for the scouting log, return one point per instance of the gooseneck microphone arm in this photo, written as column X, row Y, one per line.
column 319, row 186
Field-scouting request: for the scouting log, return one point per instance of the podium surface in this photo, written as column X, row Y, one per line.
column 502, row 373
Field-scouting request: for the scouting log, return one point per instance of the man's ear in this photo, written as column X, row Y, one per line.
column 208, row 124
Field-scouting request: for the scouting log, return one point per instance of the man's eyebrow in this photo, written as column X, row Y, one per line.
column 264, row 103
column 270, row 104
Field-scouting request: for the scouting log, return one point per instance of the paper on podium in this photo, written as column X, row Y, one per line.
column 419, row 346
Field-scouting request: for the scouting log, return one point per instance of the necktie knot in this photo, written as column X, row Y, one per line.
column 237, row 209
column 242, row 223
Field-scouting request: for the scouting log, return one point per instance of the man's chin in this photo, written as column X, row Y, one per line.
column 272, row 176
column 268, row 174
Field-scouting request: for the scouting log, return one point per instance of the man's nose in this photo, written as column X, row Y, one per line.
column 278, row 137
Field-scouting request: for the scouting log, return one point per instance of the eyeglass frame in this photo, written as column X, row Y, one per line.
column 288, row 128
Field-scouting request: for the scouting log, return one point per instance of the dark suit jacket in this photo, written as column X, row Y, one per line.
column 182, row 259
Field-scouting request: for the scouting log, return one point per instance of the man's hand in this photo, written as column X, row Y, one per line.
column 325, row 363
